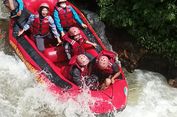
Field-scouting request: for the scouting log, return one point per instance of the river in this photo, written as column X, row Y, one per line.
column 21, row 96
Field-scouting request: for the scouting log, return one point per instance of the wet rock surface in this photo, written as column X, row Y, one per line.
column 98, row 26
column 133, row 57
column 172, row 77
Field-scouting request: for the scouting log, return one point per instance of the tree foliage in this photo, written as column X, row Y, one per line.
column 153, row 23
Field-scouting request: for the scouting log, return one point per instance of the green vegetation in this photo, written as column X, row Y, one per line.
column 153, row 23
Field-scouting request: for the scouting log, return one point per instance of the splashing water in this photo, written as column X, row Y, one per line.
column 21, row 96
column 150, row 96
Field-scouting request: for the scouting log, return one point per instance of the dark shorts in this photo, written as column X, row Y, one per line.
column 23, row 18
column 92, row 82
column 20, row 21
column 40, row 41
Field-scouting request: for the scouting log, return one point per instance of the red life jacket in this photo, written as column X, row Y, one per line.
column 66, row 17
column 112, row 58
column 109, row 69
column 40, row 26
column 77, row 46
column 106, row 72
column 79, row 49
column 83, row 47
column 111, row 55
column 73, row 63
column 82, row 41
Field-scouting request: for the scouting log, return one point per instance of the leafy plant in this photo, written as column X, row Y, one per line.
column 153, row 23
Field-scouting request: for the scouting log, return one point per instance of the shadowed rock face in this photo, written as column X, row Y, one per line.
column 122, row 43
column 98, row 26
column 133, row 57
column 154, row 63
column 172, row 77
column 90, row 5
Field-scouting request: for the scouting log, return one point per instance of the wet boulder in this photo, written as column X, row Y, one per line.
column 172, row 77
column 128, row 52
column 134, row 57
column 98, row 26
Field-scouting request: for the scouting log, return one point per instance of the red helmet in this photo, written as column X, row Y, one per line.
column 82, row 60
column 103, row 62
column 62, row 0
column 73, row 31
column 44, row 5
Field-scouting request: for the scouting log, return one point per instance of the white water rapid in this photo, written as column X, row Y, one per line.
column 21, row 96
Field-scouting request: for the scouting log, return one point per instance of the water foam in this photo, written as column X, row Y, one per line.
column 21, row 96
column 154, row 98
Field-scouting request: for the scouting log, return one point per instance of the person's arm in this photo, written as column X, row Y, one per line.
column 89, row 42
column 57, row 22
column 76, row 75
column 54, row 30
column 116, row 72
column 20, row 7
column 27, row 25
column 11, row 4
column 20, row 4
column 115, row 76
column 29, row 22
column 77, row 18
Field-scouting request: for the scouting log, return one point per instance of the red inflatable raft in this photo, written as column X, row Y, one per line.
column 53, row 61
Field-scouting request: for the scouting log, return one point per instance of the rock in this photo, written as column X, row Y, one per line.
column 157, row 63
column 98, row 26
column 129, row 54
column 172, row 77
column 90, row 5
column 173, row 82
column 2, row 38
column 133, row 57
